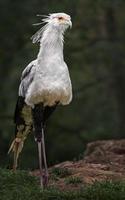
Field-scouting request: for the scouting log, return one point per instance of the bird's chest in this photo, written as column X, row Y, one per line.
column 50, row 85
column 51, row 73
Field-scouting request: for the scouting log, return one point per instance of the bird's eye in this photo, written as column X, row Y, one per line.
column 60, row 18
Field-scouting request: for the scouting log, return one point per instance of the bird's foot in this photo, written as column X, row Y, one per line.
column 41, row 181
column 14, row 168
column 45, row 179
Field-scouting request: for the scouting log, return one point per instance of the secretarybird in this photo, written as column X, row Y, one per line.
column 45, row 83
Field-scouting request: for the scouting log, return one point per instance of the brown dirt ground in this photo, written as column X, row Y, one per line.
column 103, row 160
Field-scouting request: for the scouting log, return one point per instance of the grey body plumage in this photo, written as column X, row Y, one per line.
column 27, row 78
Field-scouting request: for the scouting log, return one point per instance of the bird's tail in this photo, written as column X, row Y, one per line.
column 23, row 120
column 18, row 143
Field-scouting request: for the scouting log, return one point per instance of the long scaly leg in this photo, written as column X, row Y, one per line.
column 45, row 180
column 48, row 110
column 40, row 115
column 37, row 114
column 40, row 162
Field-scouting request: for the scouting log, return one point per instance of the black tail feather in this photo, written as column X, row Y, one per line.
column 18, row 118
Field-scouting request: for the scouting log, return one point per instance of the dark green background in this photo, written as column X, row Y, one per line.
column 95, row 53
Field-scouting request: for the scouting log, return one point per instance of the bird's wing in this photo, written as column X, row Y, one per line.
column 24, row 124
column 27, row 78
column 23, row 113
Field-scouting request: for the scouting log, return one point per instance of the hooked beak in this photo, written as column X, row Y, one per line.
column 66, row 22
column 70, row 24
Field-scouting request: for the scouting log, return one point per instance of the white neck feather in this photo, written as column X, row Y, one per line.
column 51, row 43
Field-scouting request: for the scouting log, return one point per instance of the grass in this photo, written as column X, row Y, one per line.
column 21, row 186
column 73, row 180
column 61, row 172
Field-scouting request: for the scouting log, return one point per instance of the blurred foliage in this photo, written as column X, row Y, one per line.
column 94, row 51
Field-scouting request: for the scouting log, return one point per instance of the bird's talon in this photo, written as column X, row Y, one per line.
column 45, row 179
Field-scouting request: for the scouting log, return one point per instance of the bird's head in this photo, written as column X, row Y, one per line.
column 58, row 21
